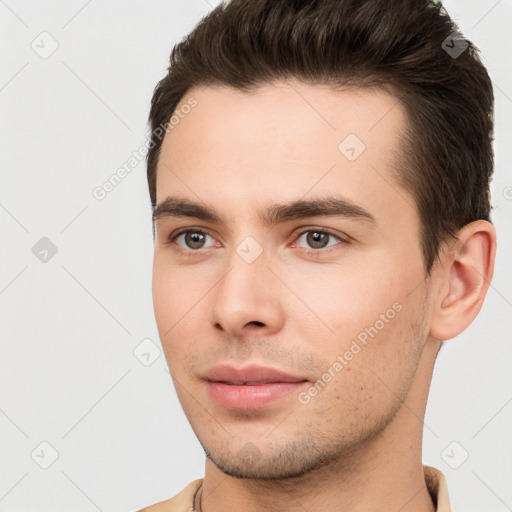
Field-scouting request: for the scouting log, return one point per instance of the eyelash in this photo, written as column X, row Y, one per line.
column 191, row 252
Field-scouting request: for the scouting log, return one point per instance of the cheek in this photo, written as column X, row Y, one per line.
column 376, row 330
column 177, row 291
column 343, row 303
column 366, row 383
column 176, row 304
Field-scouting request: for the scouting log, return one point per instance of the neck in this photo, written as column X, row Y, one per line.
column 385, row 475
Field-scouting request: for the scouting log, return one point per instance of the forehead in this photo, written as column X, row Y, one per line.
column 292, row 110
column 281, row 142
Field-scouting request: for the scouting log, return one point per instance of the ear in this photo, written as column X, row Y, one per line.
column 464, row 274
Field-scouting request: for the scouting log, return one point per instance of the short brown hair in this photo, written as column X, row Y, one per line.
column 446, row 156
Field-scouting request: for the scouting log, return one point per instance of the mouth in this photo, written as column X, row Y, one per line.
column 251, row 387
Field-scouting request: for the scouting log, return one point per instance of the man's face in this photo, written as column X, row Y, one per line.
column 335, row 302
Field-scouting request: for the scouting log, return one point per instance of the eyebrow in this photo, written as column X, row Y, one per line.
column 302, row 208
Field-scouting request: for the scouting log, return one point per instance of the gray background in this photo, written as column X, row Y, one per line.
column 70, row 324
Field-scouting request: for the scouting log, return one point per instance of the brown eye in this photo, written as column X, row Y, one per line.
column 316, row 239
column 190, row 239
column 194, row 240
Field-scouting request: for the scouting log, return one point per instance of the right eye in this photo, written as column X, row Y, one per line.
column 190, row 239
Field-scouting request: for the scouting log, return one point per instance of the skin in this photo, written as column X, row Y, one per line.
column 356, row 445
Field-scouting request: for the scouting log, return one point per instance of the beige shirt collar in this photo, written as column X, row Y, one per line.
column 184, row 501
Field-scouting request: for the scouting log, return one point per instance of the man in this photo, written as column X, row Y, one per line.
column 319, row 172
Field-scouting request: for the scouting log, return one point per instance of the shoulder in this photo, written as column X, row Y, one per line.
column 182, row 502
column 436, row 484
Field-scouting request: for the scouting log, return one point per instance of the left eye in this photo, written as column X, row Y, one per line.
column 192, row 239
column 318, row 239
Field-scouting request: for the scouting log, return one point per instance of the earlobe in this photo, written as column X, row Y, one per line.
column 464, row 275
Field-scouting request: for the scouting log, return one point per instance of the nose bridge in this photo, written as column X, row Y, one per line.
column 248, row 276
column 247, row 293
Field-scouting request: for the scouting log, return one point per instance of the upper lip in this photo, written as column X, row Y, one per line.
column 252, row 375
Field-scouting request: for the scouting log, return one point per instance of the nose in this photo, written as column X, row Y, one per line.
column 247, row 298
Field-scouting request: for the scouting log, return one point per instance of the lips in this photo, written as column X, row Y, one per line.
column 249, row 376
column 252, row 387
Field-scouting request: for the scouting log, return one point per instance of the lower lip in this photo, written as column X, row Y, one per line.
column 251, row 397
